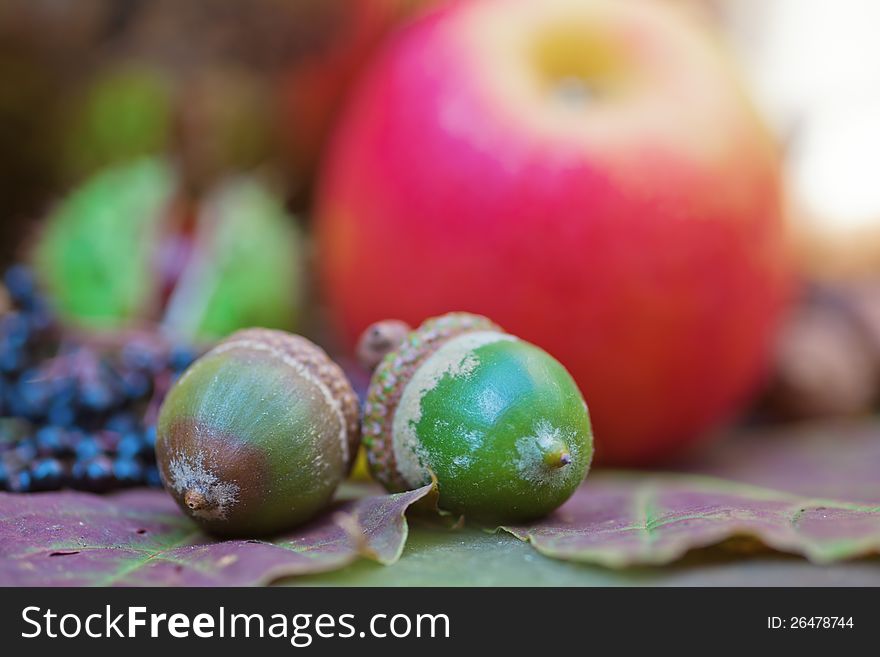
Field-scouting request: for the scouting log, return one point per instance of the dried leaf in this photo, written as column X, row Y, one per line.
column 812, row 491
column 620, row 519
column 140, row 538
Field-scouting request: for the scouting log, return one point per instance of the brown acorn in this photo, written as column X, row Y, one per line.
column 257, row 434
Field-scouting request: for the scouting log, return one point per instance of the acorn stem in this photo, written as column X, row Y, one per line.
column 557, row 458
column 379, row 340
column 195, row 499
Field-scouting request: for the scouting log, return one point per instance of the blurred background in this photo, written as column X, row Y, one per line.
column 172, row 172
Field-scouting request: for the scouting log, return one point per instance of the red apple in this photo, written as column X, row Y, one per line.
column 590, row 175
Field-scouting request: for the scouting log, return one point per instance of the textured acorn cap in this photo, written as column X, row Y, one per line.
column 391, row 377
column 316, row 361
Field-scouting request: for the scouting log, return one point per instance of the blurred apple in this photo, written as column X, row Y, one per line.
column 587, row 173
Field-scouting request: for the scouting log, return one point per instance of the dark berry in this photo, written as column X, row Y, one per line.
column 20, row 482
column 39, row 316
column 47, row 474
column 128, row 471
column 131, row 445
column 34, row 395
column 96, row 396
column 180, row 357
column 152, row 478
column 135, row 385
column 64, row 388
column 87, row 448
column 12, row 358
column 15, row 329
column 142, row 357
column 73, row 405
column 93, row 475
column 121, row 423
column 52, row 441
column 16, row 406
column 150, row 437
column 61, row 413
column 21, row 285
column 108, row 440
column 25, row 451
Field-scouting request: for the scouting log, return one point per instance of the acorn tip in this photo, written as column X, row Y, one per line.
column 194, row 500
column 557, row 458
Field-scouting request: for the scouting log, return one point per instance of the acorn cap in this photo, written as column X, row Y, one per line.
column 390, row 379
column 320, row 365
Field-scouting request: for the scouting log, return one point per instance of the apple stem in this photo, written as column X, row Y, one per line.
column 574, row 91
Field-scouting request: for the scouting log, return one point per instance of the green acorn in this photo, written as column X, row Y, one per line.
column 257, row 434
column 497, row 421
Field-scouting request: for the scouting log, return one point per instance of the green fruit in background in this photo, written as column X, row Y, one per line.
column 95, row 252
column 124, row 113
column 125, row 248
column 222, row 124
column 499, row 422
column 246, row 267
column 257, row 434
